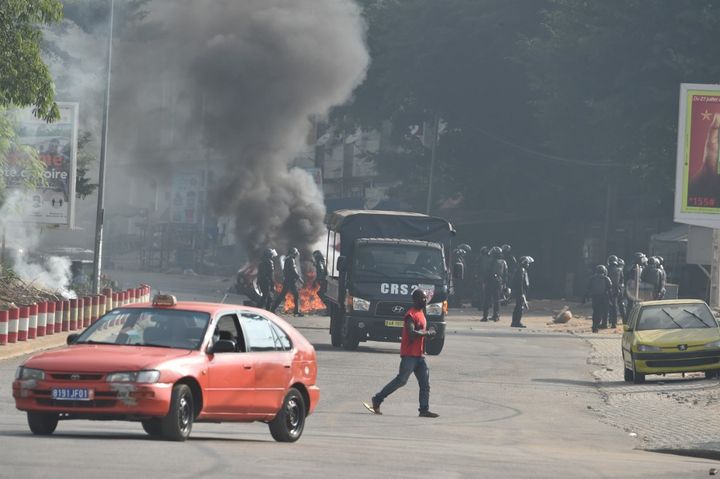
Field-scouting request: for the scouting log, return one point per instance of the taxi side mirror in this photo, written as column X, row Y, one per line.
column 222, row 346
column 626, row 327
column 71, row 338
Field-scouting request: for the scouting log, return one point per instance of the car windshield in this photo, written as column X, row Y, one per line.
column 399, row 260
column 162, row 328
column 676, row 316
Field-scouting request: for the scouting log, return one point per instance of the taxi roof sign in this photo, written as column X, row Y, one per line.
column 164, row 300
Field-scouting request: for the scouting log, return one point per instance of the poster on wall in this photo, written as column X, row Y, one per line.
column 52, row 203
column 185, row 197
column 697, row 193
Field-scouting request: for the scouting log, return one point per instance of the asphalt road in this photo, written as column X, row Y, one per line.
column 511, row 404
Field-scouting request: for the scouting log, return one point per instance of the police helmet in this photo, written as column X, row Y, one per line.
column 612, row 259
column 506, row 248
column 317, row 254
column 465, row 247
column 653, row 261
column 495, row 251
column 660, row 260
column 484, row 250
column 640, row 258
column 621, row 262
column 601, row 269
column 293, row 252
column 526, row 261
column 269, row 253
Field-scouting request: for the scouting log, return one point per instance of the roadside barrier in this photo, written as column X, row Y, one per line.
column 13, row 324
column 23, row 323
column 4, row 319
column 45, row 318
column 50, row 324
column 41, row 318
column 32, row 321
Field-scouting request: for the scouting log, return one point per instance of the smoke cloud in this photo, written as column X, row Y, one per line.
column 52, row 273
column 253, row 73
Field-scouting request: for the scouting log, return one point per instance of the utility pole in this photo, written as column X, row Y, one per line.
column 433, row 153
column 100, row 216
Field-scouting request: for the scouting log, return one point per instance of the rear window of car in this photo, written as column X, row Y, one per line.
column 676, row 316
column 157, row 327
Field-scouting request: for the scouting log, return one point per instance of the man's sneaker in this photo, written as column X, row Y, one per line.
column 484, row 319
column 428, row 414
column 373, row 407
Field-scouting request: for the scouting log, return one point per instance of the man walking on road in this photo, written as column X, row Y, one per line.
column 412, row 360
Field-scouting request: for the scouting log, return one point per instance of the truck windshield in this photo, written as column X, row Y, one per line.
column 399, row 260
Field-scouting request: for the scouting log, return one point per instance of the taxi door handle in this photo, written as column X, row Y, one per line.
column 287, row 366
column 247, row 367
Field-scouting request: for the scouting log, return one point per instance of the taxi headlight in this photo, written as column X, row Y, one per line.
column 646, row 348
column 146, row 377
column 28, row 373
column 360, row 304
column 434, row 309
column 713, row 345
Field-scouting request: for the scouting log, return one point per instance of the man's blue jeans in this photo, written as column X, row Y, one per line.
column 409, row 365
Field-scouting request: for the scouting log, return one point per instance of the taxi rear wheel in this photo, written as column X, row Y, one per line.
column 152, row 427
column 42, row 423
column 288, row 424
column 176, row 426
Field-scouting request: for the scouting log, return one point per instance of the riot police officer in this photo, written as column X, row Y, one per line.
column 616, row 275
column 320, row 275
column 265, row 281
column 653, row 275
column 621, row 297
column 598, row 289
column 482, row 262
column 520, row 287
column 495, row 282
column 635, row 275
column 509, row 259
column 290, row 279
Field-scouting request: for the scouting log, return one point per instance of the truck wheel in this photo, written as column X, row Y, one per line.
column 335, row 327
column 434, row 346
column 288, row 424
column 350, row 336
column 176, row 426
column 42, row 423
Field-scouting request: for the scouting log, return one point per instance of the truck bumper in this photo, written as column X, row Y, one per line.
column 389, row 329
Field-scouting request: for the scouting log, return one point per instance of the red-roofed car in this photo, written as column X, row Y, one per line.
column 170, row 364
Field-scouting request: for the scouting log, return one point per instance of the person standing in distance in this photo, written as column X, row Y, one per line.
column 412, row 359
column 599, row 289
column 495, row 282
column 321, row 275
column 290, row 279
column 265, row 277
column 520, row 288
column 615, row 273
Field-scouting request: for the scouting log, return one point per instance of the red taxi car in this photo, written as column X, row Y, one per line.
column 169, row 364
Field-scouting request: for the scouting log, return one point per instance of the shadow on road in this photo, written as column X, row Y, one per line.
column 360, row 349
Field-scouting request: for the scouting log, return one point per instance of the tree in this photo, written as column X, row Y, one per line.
column 25, row 79
column 85, row 158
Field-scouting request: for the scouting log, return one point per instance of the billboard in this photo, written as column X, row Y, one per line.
column 697, row 192
column 185, row 194
column 52, row 203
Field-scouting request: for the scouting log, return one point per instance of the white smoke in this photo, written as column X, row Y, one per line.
column 21, row 241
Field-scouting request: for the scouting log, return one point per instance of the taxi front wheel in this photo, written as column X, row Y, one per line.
column 288, row 424
column 176, row 426
column 638, row 378
column 42, row 423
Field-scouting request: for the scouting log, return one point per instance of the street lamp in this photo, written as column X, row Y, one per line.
column 97, row 256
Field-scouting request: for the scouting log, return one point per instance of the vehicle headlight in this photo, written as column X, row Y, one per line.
column 434, row 309
column 360, row 304
column 646, row 348
column 713, row 345
column 28, row 373
column 147, row 377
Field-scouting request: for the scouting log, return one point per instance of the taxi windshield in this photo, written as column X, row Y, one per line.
column 676, row 316
column 399, row 260
column 155, row 327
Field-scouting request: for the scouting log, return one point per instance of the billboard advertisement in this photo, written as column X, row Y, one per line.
column 186, row 190
column 52, row 203
column 697, row 193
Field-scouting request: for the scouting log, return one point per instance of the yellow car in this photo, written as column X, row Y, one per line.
column 671, row 336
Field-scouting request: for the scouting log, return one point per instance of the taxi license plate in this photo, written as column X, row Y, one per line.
column 72, row 394
column 394, row 324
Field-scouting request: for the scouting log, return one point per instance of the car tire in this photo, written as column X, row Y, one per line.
column 350, row 336
column 638, row 378
column 42, row 423
column 335, row 327
column 153, row 427
column 628, row 375
column 177, row 425
column 288, row 424
column 711, row 374
column 434, row 346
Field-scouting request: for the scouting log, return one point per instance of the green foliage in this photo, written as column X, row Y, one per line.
column 24, row 157
column 85, row 158
column 25, row 79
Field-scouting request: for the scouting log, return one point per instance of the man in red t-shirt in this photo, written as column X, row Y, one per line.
column 412, row 347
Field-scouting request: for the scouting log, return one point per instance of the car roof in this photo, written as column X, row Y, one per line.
column 672, row 301
column 198, row 306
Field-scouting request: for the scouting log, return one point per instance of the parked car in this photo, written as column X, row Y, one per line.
column 170, row 364
column 670, row 336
